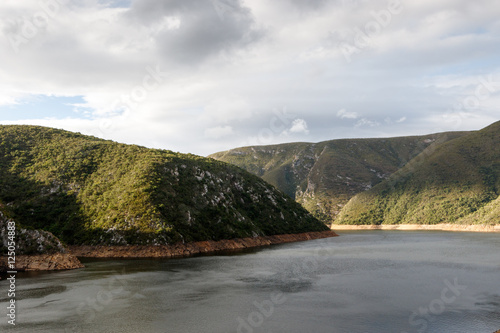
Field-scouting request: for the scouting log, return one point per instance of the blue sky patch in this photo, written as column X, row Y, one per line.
column 43, row 106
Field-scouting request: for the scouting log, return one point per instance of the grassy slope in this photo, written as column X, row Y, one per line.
column 457, row 182
column 88, row 190
column 324, row 176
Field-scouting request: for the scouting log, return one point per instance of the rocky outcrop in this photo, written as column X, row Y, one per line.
column 189, row 249
column 43, row 262
column 28, row 241
column 35, row 250
column 62, row 261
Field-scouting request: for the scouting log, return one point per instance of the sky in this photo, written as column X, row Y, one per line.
column 202, row 76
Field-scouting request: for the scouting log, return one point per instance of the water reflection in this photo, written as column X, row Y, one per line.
column 370, row 281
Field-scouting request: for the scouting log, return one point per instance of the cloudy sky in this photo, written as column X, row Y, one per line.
column 201, row 76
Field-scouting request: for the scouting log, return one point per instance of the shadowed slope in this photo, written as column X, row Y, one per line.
column 90, row 191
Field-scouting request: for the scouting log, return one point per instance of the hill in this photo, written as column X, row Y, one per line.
column 324, row 176
column 457, row 182
column 85, row 190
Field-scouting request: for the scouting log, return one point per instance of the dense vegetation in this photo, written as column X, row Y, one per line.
column 456, row 182
column 87, row 190
column 324, row 176
column 27, row 241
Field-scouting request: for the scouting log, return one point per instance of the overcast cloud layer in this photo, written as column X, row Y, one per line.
column 202, row 76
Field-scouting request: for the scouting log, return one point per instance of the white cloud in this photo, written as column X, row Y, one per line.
column 344, row 114
column 366, row 122
column 168, row 23
column 389, row 120
column 299, row 126
column 225, row 72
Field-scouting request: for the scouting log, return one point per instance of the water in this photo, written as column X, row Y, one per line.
column 367, row 281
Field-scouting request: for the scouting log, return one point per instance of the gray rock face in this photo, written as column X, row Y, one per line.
column 35, row 250
column 29, row 241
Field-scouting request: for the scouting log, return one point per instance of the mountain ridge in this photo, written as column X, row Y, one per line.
column 87, row 190
column 324, row 176
column 458, row 182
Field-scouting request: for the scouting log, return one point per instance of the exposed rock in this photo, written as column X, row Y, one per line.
column 189, row 249
column 62, row 261
column 43, row 262
column 36, row 250
column 29, row 241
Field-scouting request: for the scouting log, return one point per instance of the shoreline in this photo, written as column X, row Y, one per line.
column 181, row 250
column 416, row 227
column 42, row 262
column 69, row 260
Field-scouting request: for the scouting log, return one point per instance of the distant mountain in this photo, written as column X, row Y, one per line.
column 324, row 176
column 455, row 182
column 86, row 190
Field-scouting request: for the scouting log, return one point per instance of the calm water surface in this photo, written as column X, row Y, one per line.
column 369, row 281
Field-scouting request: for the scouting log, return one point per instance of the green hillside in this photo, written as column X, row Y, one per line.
column 457, row 182
column 324, row 176
column 92, row 191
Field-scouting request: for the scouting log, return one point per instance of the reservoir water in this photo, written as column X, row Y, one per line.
column 366, row 281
